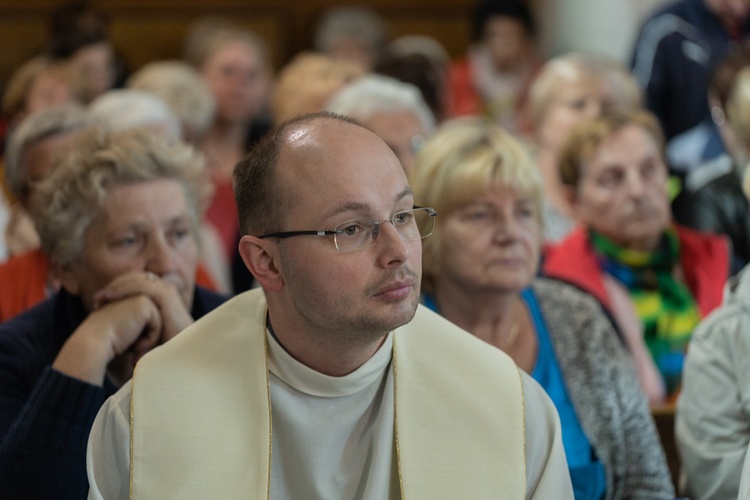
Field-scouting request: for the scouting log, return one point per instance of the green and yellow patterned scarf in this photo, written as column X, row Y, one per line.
column 665, row 306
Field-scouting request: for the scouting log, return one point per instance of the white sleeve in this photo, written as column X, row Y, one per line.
column 547, row 474
column 745, row 481
column 711, row 424
column 108, row 451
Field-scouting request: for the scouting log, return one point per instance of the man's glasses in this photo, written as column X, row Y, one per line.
column 353, row 235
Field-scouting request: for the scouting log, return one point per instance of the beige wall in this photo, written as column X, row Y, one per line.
column 603, row 26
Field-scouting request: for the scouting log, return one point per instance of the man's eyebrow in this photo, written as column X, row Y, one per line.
column 403, row 194
column 363, row 207
column 347, row 207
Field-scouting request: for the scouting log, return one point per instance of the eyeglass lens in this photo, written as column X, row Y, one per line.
column 411, row 224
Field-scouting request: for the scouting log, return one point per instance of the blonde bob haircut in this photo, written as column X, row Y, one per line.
column 460, row 163
column 586, row 138
column 578, row 67
column 70, row 198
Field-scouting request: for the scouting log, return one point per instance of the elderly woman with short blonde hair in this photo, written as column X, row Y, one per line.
column 480, row 272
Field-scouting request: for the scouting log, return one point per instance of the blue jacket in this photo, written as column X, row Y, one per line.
column 675, row 53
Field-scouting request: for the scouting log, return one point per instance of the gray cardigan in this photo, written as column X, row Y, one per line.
column 605, row 392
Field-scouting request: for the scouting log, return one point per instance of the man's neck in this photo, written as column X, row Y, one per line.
column 328, row 352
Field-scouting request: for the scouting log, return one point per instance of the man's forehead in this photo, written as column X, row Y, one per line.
column 330, row 162
column 320, row 129
column 309, row 142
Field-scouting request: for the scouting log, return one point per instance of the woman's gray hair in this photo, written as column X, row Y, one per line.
column 70, row 199
column 183, row 88
column 375, row 93
column 36, row 127
column 121, row 109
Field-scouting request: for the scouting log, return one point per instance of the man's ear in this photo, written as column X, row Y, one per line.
column 261, row 257
column 67, row 277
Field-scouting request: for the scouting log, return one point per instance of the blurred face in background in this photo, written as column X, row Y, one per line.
column 622, row 191
column 492, row 243
column 141, row 227
column 507, row 42
column 238, row 78
column 49, row 89
column 94, row 67
column 731, row 12
column 576, row 100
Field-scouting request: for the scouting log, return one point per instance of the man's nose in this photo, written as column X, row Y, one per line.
column 393, row 246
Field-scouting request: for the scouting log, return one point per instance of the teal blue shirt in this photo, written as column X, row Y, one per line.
column 586, row 470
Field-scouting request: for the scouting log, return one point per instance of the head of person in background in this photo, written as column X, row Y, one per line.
column 38, row 84
column 120, row 212
column 352, row 34
column 79, row 34
column 574, row 87
column 394, row 110
column 710, row 143
column 723, row 95
column 480, row 272
column 649, row 272
column 569, row 89
column 307, row 83
column 184, row 90
column 493, row 77
column 235, row 64
column 738, row 119
column 732, row 13
column 33, row 148
column 506, row 32
column 421, row 61
column 122, row 109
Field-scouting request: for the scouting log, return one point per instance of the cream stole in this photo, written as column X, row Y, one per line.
column 200, row 412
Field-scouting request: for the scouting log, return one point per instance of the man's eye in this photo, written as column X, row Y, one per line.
column 351, row 229
column 403, row 218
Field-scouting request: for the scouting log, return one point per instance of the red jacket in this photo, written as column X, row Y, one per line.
column 704, row 259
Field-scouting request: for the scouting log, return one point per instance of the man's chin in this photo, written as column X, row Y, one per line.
column 403, row 313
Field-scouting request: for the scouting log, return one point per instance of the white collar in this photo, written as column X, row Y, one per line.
column 306, row 380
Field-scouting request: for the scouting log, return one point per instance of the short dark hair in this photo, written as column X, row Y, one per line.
column 73, row 26
column 514, row 9
column 259, row 198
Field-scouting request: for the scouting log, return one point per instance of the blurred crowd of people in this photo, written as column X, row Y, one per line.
column 592, row 220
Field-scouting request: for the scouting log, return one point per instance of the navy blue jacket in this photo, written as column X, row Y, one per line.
column 675, row 53
column 45, row 416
